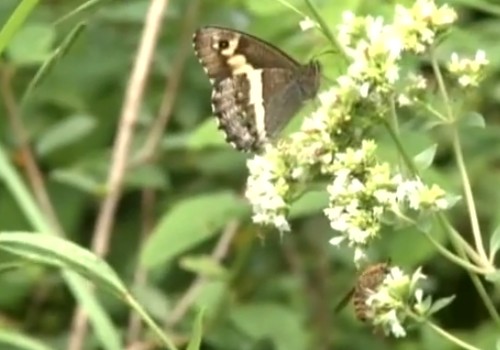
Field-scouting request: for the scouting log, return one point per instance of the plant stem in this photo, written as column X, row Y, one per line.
column 469, row 198
column 408, row 161
column 450, row 336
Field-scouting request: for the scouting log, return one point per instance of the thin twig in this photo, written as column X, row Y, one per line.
column 219, row 252
column 128, row 119
column 33, row 173
column 150, row 147
column 121, row 149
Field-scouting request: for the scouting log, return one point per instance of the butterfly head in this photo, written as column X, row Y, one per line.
column 310, row 79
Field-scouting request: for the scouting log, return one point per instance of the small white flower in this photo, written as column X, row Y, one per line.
column 468, row 71
column 307, row 23
column 364, row 89
column 419, row 296
column 392, row 74
column 359, row 255
column 403, row 100
column 336, row 240
column 395, row 325
column 480, row 58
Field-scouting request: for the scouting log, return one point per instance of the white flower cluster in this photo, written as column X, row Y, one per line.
column 468, row 71
column 389, row 303
column 374, row 49
column 363, row 190
column 417, row 26
column 330, row 142
column 267, row 188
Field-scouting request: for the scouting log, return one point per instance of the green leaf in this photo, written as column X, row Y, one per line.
column 473, row 120
column 58, row 252
column 127, row 11
column 424, row 159
column 153, row 300
column 261, row 320
column 52, row 59
column 396, row 245
column 64, row 133
column 211, row 296
column 18, row 340
column 481, row 5
column 271, row 8
column 149, row 176
column 441, row 304
column 195, row 341
column 495, row 242
column 108, row 336
column 434, row 123
column 16, row 20
column 32, row 44
column 79, row 10
column 312, row 202
column 205, row 136
column 189, row 223
column 204, row 265
column 77, row 178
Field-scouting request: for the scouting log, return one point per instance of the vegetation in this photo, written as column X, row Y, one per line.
column 113, row 172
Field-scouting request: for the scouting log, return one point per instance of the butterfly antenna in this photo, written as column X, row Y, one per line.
column 323, row 53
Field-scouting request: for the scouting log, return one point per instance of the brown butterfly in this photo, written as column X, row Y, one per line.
column 257, row 88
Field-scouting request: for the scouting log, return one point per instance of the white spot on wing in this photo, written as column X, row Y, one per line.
column 236, row 61
column 254, row 77
column 232, row 45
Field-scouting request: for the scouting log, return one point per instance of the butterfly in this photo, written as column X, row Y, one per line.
column 256, row 87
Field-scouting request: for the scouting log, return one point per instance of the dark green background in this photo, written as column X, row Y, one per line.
column 276, row 292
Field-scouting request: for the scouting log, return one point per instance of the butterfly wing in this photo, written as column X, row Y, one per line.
column 222, row 51
column 256, row 87
column 284, row 95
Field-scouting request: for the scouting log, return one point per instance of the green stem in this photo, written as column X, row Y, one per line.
column 394, row 126
column 452, row 257
column 326, row 30
column 461, row 241
column 444, row 223
column 459, row 247
column 486, row 299
column 149, row 321
column 430, row 109
column 408, row 161
column 469, row 199
column 450, row 336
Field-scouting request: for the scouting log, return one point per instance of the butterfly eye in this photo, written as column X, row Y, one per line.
column 223, row 44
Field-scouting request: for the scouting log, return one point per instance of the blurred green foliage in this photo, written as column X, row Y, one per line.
column 272, row 292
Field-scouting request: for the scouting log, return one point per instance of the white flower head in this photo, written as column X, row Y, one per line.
column 266, row 189
column 307, row 23
column 390, row 301
column 468, row 71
